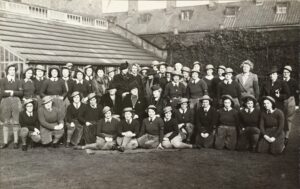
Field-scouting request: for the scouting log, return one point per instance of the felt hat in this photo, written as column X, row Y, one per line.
column 86, row 67
column 222, row 67
column 53, row 68
column 151, row 107
column 196, row 62
column 75, row 93
column 65, row 67
column 247, row 97
column 46, row 99
column 128, row 109
column 274, row 69
column 167, row 109
column 91, row 96
column 185, row 69
column 225, row 97
column 195, row 70
column 27, row 69
column 69, row 65
column 144, row 68
column 106, row 109
column 183, row 100
column 111, row 86
column 156, row 87
column 205, row 97
column 133, row 85
column 154, row 63
column 229, row 70
column 169, row 69
column 288, row 68
column 209, row 66
column 28, row 101
column 174, row 73
column 151, row 72
column 162, row 64
column 177, row 63
column 110, row 69
column 40, row 67
column 271, row 99
column 124, row 66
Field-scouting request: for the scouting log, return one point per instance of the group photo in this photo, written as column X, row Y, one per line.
column 102, row 96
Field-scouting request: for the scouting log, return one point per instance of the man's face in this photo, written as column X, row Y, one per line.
column 196, row 67
column 151, row 113
column 186, row 74
column 112, row 91
column 195, row 75
column 286, row 74
column 176, row 78
column 100, row 73
column 156, row 93
column 48, row 105
column 184, row 105
column 29, row 107
column 168, row 115
column 209, row 72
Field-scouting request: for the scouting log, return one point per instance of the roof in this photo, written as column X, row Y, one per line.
column 205, row 18
column 45, row 41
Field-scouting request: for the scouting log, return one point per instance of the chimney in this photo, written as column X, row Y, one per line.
column 133, row 6
column 171, row 4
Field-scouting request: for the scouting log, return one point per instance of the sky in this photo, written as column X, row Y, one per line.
column 122, row 5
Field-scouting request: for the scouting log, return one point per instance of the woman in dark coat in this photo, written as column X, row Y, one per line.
column 112, row 99
column 249, row 124
column 271, row 126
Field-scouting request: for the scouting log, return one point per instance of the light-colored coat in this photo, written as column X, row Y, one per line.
column 250, row 86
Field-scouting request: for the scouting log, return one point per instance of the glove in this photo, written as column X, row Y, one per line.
column 160, row 146
column 135, row 116
column 59, row 127
column 108, row 139
column 88, row 124
column 267, row 138
column 272, row 139
column 36, row 131
column 72, row 124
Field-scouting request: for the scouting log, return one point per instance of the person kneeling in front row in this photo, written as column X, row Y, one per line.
column 29, row 123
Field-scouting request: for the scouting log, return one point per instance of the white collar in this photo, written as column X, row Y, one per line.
column 26, row 80
column 227, row 110
column 166, row 120
column 128, row 121
column 209, row 77
column 54, row 79
column 11, row 78
column 65, row 78
column 77, row 81
column 108, row 119
column 196, row 80
column 29, row 113
column 228, row 81
column 177, row 84
column 206, row 109
column 182, row 111
column 39, row 78
column 77, row 104
column 286, row 79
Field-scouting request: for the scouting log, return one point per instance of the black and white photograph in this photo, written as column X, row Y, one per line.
column 149, row 94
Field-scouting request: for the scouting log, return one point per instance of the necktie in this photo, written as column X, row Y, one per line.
column 150, row 120
column 268, row 111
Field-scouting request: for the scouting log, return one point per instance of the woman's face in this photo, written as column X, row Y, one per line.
column 227, row 103
column 134, row 91
column 274, row 76
column 29, row 107
column 151, row 113
column 178, row 67
column 39, row 73
column 286, row 74
column 186, row 74
column 144, row 72
column 195, row 75
column 205, row 103
column 168, row 115
column 156, row 93
column 48, row 105
column 107, row 115
column 100, row 73
column 111, row 74
column 54, row 73
column 128, row 115
column 112, row 91
column 93, row 102
column 220, row 72
column 125, row 71
column 176, row 78
column 134, row 69
column 28, row 74
column 79, row 76
column 184, row 105
column 196, row 67
column 246, row 68
column 162, row 69
column 76, row 99
column 267, row 105
column 11, row 71
column 65, row 73
column 89, row 72
column 250, row 104
column 209, row 72
column 228, row 76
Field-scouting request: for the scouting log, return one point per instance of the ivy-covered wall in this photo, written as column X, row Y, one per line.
column 230, row 47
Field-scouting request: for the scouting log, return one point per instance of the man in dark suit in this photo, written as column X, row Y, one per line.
column 122, row 80
column 138, row 103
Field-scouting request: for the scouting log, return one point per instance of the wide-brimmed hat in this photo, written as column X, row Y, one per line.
column 91, row 96
column 156, row 87
column 288, row 68
column 224, row 97
column 53, row 68
column 169, row 69
column 195, row 70
column 69, row 65
column 205, row 97
column 86, row 67
column 186, row 69
column 222, row 67
column 124, row 66
column 151, row 107
column 106, row 109
column 65, row 67
column 28, row 101
column 111, row 86
column 110, row 69
column 128, row 109
column 247, row 62
column 196, row 62
column 27, row 69
column 154, row 63
column 209, row 66
column 144, row 68
column 162, row 64
column 183, row 100
column 79, row 70
column 229, row 70
column 178, row 63
column 174, row 73
column 271, row 99
column 40, row 67
column 274, row 69
column 151, row 72
column 46, row 99
column 247, row 97
column 75, row 93
column 167, row 109
column 133, row 85
column 11, row 65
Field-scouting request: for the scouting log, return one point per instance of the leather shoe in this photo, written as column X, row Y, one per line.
column 16, row 145
column 24, row 147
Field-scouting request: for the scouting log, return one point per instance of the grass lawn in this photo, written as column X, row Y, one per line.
column 206, row 168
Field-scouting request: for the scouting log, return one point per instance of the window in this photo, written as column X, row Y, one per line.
column 231, row 11
column 281, row 7
column 186, row 15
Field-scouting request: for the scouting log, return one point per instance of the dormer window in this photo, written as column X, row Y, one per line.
column 281, row 7
column 145, row 18
column 186, row 15
column 231, row 11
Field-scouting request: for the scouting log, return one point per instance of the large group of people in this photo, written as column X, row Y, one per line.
column 159, row 106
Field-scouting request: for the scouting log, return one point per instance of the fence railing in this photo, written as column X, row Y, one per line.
column 44, row 13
